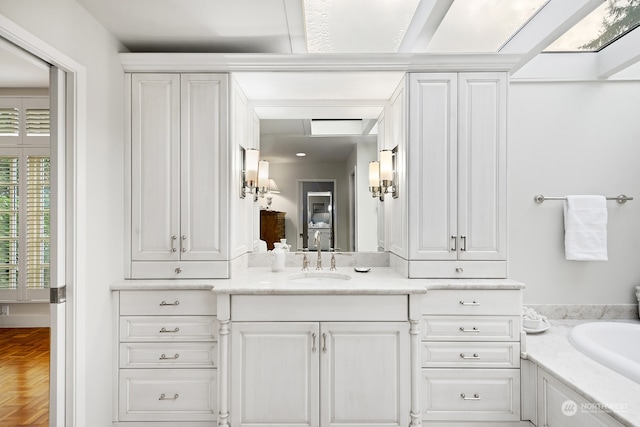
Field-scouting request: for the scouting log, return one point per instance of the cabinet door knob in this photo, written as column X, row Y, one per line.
column 178, row 270
column 459, row 269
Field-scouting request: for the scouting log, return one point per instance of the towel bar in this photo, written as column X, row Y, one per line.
column 620, row 199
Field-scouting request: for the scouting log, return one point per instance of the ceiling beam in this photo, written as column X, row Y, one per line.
column 619, row 55
column 428, row 17
column 552, row 21
column 295, row 22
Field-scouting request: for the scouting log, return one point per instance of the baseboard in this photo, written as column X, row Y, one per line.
column 24, row 321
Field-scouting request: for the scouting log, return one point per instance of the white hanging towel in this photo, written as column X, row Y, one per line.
column 585, row 228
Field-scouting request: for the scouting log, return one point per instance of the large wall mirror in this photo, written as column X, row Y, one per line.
column 333, row 118
column 320, row 182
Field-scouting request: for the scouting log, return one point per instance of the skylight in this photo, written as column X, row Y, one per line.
column 481, row 25
column 607, row 23
column 379, row 25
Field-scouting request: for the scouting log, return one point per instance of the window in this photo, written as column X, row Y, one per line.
column 24, row 199
column 24, row 224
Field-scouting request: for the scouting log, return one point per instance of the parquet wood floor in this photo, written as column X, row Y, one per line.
column 24, row 377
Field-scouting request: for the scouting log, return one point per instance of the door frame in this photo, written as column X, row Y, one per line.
column 73, row 238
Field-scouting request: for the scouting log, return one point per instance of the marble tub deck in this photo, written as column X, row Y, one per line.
column 552, row 351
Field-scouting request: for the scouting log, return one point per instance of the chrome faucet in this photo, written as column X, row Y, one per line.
column 318, row 240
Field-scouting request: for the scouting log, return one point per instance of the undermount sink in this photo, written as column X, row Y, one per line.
column 319, row 277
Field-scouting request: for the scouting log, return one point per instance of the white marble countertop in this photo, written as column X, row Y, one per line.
column 261, row 280
column 552, row 351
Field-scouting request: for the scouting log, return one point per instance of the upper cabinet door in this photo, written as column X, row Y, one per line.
column 433, row 166
column 155, row 167
column 204, row 181
column 482, row 180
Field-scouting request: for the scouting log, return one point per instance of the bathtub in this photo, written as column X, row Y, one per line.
column 614, row 344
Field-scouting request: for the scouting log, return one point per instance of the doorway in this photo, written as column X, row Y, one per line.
column 317, row 213
column 67, row 94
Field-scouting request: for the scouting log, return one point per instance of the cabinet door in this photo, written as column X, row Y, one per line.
column 155, row 166
column 203, row 176
column 482, row 160
column 433, row 166
column 274, row 374
column 365, row 378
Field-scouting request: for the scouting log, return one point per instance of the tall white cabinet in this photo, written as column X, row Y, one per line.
column 457, row 175
column 178, row 176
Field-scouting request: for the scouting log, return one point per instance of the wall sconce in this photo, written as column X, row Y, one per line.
column 263, row 177
column 382, row 174
column 273, row 189
column 250, row 162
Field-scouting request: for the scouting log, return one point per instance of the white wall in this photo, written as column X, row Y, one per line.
column 367, row 206
column 573, row 138
column 67, row 27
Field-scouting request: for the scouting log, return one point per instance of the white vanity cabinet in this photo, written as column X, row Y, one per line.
column 320, row 361
column 177, row 171
column 166, row 356
column 471, row 356
column 457, row 175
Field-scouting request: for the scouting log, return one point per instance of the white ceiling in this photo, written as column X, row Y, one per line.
column 340, row 27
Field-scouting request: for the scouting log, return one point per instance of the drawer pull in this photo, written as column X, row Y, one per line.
column 469, row 303
column 164, row 357
column 165, row 304
column 474, row 329
column 475, row 397
column 164, row 397
column 475, row 356
column 176, row 329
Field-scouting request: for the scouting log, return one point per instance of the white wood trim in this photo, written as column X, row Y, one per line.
column 76, row 100
column 619, row 55
column 128, row 175
column 220, row 62
column 553, row 20
column 57, row 155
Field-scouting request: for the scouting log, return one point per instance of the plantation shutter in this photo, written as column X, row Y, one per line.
column 9, row 207
column 38, row 219
column 37, row 121
column 9, row 121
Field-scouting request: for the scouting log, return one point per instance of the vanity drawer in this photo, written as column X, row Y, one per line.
column 168, row 355
column 167, row 303
column 166, row 329
column 167, row 394
column 471, row 328
column 313, row 308
column 470, row 354
column 471, row 394
column 473, row 302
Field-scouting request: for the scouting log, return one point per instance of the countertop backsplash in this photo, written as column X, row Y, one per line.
column 586, row 311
